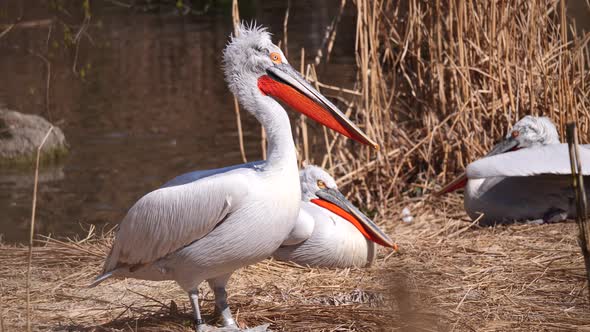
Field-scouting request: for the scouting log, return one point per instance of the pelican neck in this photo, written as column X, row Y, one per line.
column 275, row 121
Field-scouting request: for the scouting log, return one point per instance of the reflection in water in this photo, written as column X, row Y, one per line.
column 152, row 105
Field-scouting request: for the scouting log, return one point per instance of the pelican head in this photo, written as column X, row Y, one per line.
column 248, row 55
column 319, row 188
column 530, row 131
column 255, row 67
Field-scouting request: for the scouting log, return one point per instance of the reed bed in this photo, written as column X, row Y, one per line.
column 440, row 81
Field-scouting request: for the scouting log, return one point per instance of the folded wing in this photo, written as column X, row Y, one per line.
column 172, row 217
column 547, row 159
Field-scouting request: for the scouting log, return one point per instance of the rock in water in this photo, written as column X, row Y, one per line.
column 21, row 134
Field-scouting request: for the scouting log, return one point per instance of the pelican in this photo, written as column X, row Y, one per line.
column 206, row 224
column 527, row 176
column 330, row 231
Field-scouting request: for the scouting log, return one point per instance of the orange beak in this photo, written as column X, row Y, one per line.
column 284, row 83
column 458, row 183
column 508, row 144
column 333, row 201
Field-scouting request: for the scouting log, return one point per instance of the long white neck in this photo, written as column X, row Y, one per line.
column 274, row 120
column 276, row 123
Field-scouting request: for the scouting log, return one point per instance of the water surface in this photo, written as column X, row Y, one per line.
column 147, row 102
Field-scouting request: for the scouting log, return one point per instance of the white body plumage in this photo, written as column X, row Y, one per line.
column 531, row 183
column 330, row 231
column 332, row 242
column 247, row 193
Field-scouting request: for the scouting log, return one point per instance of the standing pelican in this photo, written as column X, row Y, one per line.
column 204, row 225
column 527, row 176
column 330, row 231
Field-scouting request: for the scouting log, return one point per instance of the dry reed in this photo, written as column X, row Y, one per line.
column 577, row 178
column 32, row 227
column 236, row 23
column 441, row 81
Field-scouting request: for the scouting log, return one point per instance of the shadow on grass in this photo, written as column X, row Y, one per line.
column 165, row 318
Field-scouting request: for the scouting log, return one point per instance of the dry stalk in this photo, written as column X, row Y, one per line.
column 6, row 30
column 77, row 41
column 236, row 23
column 240, row 132
column 329, row 37
column 263, row 142
column 1, row 310
column 32, row 234
column 302, row 123
column 580, row 195
column 285, row 30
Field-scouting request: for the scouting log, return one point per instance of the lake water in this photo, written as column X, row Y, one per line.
column 147, row 102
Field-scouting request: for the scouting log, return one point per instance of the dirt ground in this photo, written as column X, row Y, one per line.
column 449, row 275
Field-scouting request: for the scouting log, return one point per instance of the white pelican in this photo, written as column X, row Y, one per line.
column 206, row 224
column 527, row 176
column 330, row 231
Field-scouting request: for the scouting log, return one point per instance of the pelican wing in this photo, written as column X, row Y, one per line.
column 197, row 175
column 174, row 216
column 547, row 159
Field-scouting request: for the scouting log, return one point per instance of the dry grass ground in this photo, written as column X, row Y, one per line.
column 448, row 275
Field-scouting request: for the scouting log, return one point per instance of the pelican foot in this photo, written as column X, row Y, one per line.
column 204, row 327
column 225, row 318
column 209, row 328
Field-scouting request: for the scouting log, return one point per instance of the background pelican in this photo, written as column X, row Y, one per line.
column 525, row 177
column 204, row 225
column 330, row 231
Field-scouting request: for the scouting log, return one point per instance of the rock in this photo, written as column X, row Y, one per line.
column 21, row 134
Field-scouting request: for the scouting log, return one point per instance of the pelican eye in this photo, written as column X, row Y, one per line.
column 515, row 134
column 275, row 57
column 321, row 184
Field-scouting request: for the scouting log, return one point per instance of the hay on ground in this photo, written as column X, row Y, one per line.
column 448, row 275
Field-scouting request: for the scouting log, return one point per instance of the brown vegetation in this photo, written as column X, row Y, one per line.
column 440, row 81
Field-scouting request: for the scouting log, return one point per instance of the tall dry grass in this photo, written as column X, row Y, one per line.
column 440, row 81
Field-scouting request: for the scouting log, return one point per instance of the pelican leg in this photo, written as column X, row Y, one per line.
column 194, row 298
column 221, row 307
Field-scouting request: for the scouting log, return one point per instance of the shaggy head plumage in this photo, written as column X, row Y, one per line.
column 309, row 177
column 246, row 56
column 533, row 131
